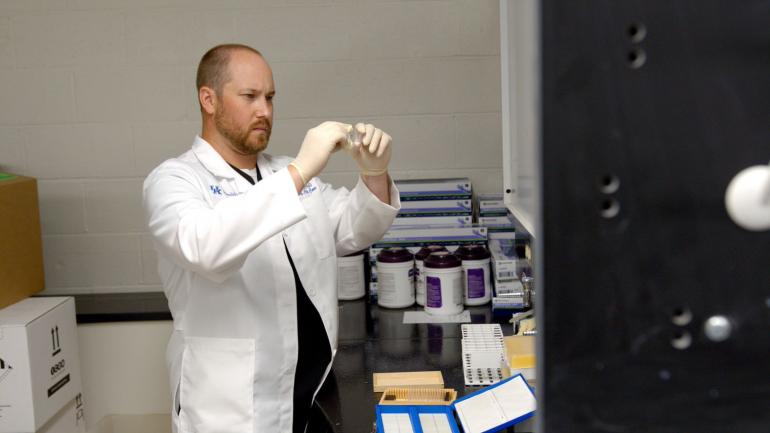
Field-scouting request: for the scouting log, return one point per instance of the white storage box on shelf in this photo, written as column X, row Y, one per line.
column 426, row 189
column 505, row 262
column 491, row 204
column 432, row 235
column 503, row 221
column 40, row 368
column 435, row 207
column 450, row 220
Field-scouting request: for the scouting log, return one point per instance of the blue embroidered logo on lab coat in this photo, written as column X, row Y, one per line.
column 215, row 189
column 308, row 189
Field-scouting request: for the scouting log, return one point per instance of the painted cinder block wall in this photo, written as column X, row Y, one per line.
column 98, row 92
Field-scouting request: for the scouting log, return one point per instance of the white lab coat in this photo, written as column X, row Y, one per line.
column 230, row 287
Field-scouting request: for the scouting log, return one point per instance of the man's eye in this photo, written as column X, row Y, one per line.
column 248, row 95
column 270, row 97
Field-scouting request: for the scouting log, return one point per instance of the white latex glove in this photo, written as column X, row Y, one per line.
column 319, row 143
column 372, row 153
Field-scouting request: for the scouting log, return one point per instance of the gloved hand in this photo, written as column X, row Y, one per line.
column 372, row 154
column 319, row 143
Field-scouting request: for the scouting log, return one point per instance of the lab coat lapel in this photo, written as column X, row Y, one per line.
column 216, row 165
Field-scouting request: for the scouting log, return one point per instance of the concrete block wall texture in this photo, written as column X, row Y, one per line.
column 98, row 92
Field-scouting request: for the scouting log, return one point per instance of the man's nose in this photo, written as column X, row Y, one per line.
column 263, row 107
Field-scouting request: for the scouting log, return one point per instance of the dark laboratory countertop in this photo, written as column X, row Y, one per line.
column 373, row 339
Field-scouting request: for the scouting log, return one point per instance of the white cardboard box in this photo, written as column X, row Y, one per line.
column 40, row 368
column 411, row 236
column 422, row 188
column 71, row 419
column 504, row 260
column 490, row 221
column 491, row 204
column 435, row 207
column 453, row 220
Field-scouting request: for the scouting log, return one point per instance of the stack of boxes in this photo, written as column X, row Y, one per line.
column 433, row 212
column 507, row 263
column 507, row 270
column 40, row 388
column 431, row 201
column 494, row 215
column 21, row 255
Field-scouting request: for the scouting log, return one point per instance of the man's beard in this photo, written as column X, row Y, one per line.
column 239, row 138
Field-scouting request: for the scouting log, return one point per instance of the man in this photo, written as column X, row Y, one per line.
column 247, row 247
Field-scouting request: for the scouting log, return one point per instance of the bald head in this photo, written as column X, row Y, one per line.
column 213, row 69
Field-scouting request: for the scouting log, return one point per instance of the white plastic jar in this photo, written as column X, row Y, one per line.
column 419, row 271
column 443, row 284
column 477, row 286
column 395, row 278
column 350, row 277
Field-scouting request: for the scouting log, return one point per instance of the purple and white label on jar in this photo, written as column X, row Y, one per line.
column 476, row 287
column 433, row 292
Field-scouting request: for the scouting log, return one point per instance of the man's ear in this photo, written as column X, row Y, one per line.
column 208, row 99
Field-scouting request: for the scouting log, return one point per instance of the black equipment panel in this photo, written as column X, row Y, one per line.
column 649, row 108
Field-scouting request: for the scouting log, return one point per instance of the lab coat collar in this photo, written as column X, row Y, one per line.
column 216, row 165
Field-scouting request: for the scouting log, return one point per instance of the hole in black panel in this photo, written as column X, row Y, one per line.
column 681, row 316
column 610, row 208
column 636, row 32
column 636, row 58
column 681, row 340
column 609, row 183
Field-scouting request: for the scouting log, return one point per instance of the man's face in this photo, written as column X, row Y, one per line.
column 244, row 112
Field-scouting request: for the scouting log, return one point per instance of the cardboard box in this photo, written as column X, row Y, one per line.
column 496, row 233
column 425, row 189
column 432, row 235
column 455, row 220
column 509, row 288
column 515, row 301
column 40, row 371
column 21, row 255
column 491, row 204
column 435, row 207
column 71, row 419
column 491, row 221
column 504, row 260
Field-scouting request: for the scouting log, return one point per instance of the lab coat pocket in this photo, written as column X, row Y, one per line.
column 175, row 412
column 216, row 391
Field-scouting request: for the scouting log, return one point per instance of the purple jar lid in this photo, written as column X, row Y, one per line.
column 424, row 251
column 442, row 259
column 394, row 255
column 472, row 252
